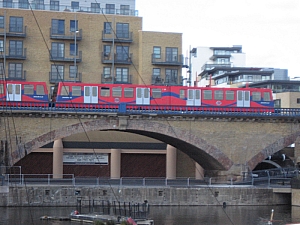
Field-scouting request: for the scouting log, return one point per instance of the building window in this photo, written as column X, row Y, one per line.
column 107, row 27
column 110, row 8
column 106, row 72
column 171, row 54
column 58, row 26
column 171, row 76
column 124, row 9
column 157, row 52
column 39, row 4
column 122, row 53
column 107, row 51
column 1, row 68
column 73, row 25
column 122, row 75
column 73, row 48
column 58, row 50
column 1, row 46
column 15, row 70
column 54, row 5
column 7, row 3
column 23, row 4
column 72, row 71
column 122, row 30
column 1, row 21
column 57, row 73
column 95, row 7
column 16, row 48
column 156, row 76
column 277, row 103
column 74, row 5
column 16, row 24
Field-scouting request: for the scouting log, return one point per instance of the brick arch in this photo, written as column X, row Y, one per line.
column 272, row 148
column 207, row 155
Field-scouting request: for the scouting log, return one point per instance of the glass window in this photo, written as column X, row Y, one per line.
column 39, row 4
column 57, row 50
column 156, row 93
column 1, row 89
column 128, row 92
column 156, row 52
column 117, row 92
column 1, row 68
column 106, row 72
column 1, row 21
column 73, row 26
column 72, row 71
column 110, row 8
column 23, row 4
column 107, row 28
column 40, row 90
column 7, row 3
column 218, row 95
column 156, row 76
column 172, row 54
column 104, row 92
column 182, row 94
column 229, row 95
column 94, row 91
column 28, row 89
column 73, row 48
column 267, row 96
column 122, row 53
column 171, row 76
column 256, row 96
column 65, row 90
column 1, row 46
column 122, row 75
column 15, row 70
column 139, row 93
column 207, row 94
column 57, row 72
column 124, row 9
column 58, row 26
column 122, row 30
column 107, row 51
column 16, row 24
column 74, row 5
column 95, row 7
column 16, row 48
column 54, row 5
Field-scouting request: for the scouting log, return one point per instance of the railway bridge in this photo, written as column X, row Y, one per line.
column 228, row 144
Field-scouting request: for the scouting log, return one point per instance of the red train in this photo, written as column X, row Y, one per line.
column 80, row 95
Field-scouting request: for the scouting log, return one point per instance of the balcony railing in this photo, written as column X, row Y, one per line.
column 165, row 80
column 70, row 58
column 125, row 37
column 108, row 79
column 176, row 60
column 55, row 77
column 19, row 75
column 117, row 59
column 67, row 8
column 16, row 54
column 14, row 33
column 211, row 66
column 69, row 36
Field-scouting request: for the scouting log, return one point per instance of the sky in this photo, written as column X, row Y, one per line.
column 268, row 30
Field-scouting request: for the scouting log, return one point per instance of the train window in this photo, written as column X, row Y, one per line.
column 117, row 92
column 9, row 89
column 156, row 93
column 267, row 96
column 128, row 92
column 94, row 91
column 40, row 89
column 229, row 95
column 105, row 92
column 28, row 89
column 218, row 95
column 65, row 90
column 207, row 94
column 182, row 94
column 256, row 96
column 76, row 91
column 1, row 89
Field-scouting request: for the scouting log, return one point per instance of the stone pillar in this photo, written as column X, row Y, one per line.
column 115, row 163
column 171, row 162
column 58, row 150
column 199, row 172
column 297, row 151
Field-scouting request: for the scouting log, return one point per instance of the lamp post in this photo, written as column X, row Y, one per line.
column 75, row 53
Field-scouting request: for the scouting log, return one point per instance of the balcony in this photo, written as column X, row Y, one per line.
column 117, row 38
column 167, row 80
column 70, row 58
column 18, row 75
column 55, row 77
column 168, row 60
column 14, row 32
column 117, row 59
column 220, row 55
column 211, row 66
column 108, row 79
column 70, row 36
column 15, row 54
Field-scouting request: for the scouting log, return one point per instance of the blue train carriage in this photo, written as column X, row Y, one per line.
column 24, row 94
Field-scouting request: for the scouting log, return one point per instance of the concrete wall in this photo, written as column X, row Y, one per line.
column 67, row 196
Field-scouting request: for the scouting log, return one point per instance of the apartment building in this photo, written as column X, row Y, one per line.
column 93, row 42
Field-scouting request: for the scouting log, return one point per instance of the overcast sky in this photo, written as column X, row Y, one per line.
column 268, row 30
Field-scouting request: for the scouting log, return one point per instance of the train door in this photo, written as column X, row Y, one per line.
column 194, row 97
column 243, row 99
column 90, row 94
column 143, row 96
column 13, row 92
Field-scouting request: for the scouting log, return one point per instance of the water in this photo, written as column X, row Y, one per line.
column 165, row 215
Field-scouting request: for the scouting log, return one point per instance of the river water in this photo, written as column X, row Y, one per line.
column 165, row 215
